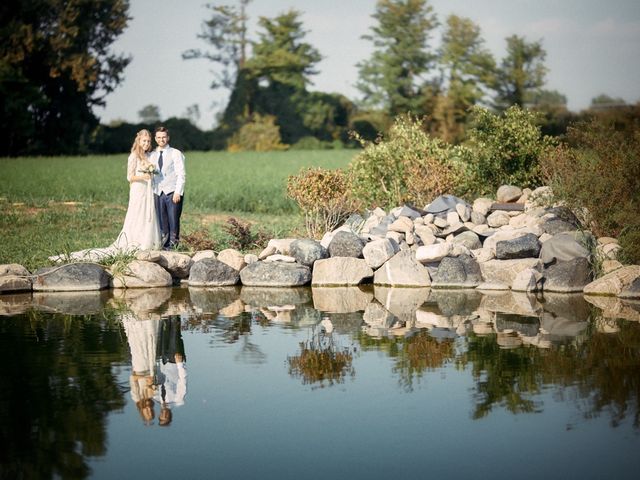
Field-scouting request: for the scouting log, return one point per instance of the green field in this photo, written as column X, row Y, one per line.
column 52, row 205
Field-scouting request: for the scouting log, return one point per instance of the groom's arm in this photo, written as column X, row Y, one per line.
column 178, row 164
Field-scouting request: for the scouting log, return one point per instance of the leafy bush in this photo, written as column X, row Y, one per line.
column 503, row 150
column 598, row 173
column 323, row 196
column 260, row 134
column 406, row 166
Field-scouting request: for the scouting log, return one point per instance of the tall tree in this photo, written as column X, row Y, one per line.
column 281, row 67
column 394, row 77
column 281, row 56
column 468, row 70
column 55, row 66
column 226, row 32
column 522, row 72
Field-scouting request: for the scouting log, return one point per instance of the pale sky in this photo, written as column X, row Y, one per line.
column 593, row 47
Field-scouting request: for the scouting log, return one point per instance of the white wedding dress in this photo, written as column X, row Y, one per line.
column 140, row 231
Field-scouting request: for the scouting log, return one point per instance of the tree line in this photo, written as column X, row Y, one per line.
column 56, row 66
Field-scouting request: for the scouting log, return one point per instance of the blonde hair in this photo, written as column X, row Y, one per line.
column 136, row 149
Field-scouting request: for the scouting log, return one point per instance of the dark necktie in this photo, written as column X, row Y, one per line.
column 160, row 162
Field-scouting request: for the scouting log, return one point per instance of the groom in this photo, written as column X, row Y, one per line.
column 168, row 188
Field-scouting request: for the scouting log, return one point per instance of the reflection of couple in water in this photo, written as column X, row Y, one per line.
column 158, row 372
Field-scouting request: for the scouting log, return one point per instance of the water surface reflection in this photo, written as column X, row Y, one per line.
column 79, row 358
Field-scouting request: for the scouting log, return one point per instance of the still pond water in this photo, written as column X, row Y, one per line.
column 307, row 383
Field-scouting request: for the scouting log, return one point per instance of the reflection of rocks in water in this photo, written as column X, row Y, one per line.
column 212, row 300
column 568, row 305
column 607, row 325
column 402, row 302
column 508, row 339
column 455, row 302
column 560, row 329
column 378, row 320
column 144, row 303
column 345, row 322
column 71, row 303
column 180, row 302
column 15, row 304
column 341, row 299
column 525, row 325
column 442, row 326
column 518, row 303
column 234, row 309
column 483, row 328
column 264, row 296
column 613, row 307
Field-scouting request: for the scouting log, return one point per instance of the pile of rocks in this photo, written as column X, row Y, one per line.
column 510, row 243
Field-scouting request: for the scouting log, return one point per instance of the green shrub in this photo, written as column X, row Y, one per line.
column 408, row 166
column 260, row 134
column 323, row 196
column 313, row 143
column 503, row 149
column 599, row 176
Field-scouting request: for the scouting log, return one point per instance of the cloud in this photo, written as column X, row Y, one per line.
column 610, row 27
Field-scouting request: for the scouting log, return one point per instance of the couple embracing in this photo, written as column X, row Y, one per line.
column 156, row 194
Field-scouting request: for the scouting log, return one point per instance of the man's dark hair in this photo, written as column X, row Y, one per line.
column 162, row 129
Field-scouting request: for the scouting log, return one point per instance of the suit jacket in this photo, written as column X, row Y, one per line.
column 172, row 176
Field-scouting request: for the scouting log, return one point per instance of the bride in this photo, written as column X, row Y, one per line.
column 140, row 230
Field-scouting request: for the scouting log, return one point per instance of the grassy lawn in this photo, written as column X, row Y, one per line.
column 51, row 205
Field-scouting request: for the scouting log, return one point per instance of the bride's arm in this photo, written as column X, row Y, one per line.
column 132, row 174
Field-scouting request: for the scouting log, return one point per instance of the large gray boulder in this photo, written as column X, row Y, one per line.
column 445, row 204
column 469, row 239
column 569, row 276
column 508, row 193
column 403, row 269
column 71, row 277
column 526, row 246
column 275, row 274
column 462, row 271
column 504, row 272
column 211, row 272
column 340, row 271
column 346, row 244
column 141, row 274
column 306, row 251
column 14, row 278
column 564, row 246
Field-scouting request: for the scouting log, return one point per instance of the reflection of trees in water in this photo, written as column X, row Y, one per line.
column 414, row 355
column 602, row 374
column 320, row 360
column 54, row 400
column 503, row 377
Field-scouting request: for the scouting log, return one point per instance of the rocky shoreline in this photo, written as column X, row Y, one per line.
column 511, row 242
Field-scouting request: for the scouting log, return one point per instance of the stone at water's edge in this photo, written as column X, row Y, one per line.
column 275, row 274
column 403, row 269
column 140, row 274
column 632, row 291
column 569, row 276
column 457, row 272
column 504, row 272
column 615, row 282
column 13, row 283
column 71, row 277
column 210, row 272
column 340, row 271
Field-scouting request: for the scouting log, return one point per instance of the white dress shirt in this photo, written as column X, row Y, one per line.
column 172, row 176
